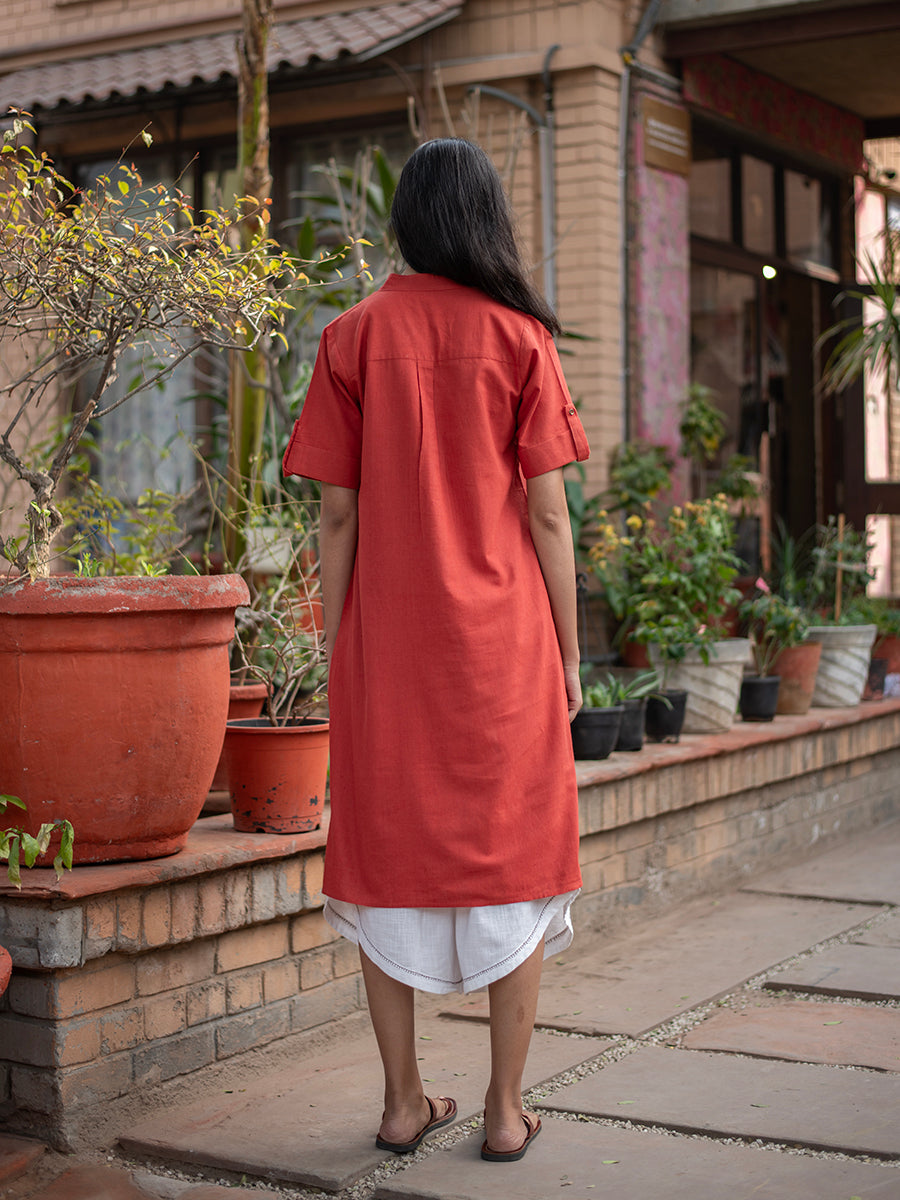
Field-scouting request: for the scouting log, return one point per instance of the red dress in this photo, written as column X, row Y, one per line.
column 452, row 774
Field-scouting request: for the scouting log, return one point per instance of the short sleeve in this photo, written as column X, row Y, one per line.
column 326, row 442
column 549, row 430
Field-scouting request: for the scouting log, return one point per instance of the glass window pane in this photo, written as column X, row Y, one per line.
column 807, row 222
column 758, row 204
column 710, row 193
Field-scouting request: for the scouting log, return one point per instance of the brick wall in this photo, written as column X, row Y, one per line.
column 119, row 991
column 121, row 985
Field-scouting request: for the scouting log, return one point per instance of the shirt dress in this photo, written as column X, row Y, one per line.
column 452, row 773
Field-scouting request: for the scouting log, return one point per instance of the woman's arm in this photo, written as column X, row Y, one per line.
column 548, row 519
column 339, row 527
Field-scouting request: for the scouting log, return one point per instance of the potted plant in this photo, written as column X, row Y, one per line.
column 774, row 625
column 837, row 586
column 276, row 764
column 595, row 729
column 684, row 570
column 632, row 689
column 104, row 291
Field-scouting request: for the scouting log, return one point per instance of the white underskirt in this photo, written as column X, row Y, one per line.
column 454, row 949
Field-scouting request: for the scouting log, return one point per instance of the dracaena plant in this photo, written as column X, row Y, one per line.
column 88, row 274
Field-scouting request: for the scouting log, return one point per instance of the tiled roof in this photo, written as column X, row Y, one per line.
column 292, row 44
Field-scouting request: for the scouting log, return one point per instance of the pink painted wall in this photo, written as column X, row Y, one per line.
column 660, row 304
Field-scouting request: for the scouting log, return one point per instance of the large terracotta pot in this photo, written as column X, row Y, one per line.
column 277, row 774
column 115, row 697
column 844, row 665
column 797, row 666
column 712, row 688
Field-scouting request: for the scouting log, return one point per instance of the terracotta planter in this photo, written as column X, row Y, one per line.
column 888, row 646
column 277, row 775
column 115, row 697
column 634, row 654
column 595, row 732
column 713, row 688
column 759, row 697
column 844, row 665
column 5, row 969
column 797, row 666
column 244, row 700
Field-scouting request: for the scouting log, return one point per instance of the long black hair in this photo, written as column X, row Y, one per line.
column 450, row 217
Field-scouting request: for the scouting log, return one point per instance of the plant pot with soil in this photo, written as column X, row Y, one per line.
column 277, row 763
column 774, row 626
column 595, row 729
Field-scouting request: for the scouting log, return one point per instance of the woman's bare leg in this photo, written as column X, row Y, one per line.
column 392, row 1009
column 513, row 1001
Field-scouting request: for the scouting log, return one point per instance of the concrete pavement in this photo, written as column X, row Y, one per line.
column 743, row 1045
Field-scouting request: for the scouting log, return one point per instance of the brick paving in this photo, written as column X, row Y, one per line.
column 698, row 1080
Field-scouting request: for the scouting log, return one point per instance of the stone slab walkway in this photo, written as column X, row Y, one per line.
column 682, row 1037
column 866, row 870
column 315, row 1124
column 860, row 971
column 816, row 1106
column 583, row 1161
column 804, row 1031
column 691, row 957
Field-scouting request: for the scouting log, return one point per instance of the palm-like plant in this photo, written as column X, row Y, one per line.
column 872, row 342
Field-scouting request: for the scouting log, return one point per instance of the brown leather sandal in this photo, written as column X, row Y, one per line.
column 436, row 1122
column 532, row 1130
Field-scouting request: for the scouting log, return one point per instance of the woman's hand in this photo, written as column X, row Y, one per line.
column 573, row 690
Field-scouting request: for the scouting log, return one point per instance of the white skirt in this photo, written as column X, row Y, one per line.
column 454, row 949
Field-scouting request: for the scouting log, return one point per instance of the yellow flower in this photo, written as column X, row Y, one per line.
column 634, row 522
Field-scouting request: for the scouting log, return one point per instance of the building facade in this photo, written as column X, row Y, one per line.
column 688, row 176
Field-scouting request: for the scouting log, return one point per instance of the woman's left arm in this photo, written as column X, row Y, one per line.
column 339, row 530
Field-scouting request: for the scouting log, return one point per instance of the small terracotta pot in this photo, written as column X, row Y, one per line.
column 277, row 774
column 888, row 646
column 244, row 700
column 797, row 666
column 634, row 654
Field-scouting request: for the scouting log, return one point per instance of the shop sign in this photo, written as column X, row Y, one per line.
column 667, row 136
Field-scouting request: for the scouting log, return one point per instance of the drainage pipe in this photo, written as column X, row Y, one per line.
column 544, row 126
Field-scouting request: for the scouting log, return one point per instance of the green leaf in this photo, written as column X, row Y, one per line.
column 5, row 800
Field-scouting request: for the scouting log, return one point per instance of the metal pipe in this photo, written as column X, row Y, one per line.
column 544, row 124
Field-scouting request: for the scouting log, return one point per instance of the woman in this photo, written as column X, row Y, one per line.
column 449, row 594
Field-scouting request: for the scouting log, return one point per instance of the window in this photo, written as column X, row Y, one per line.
column 758, row 205
column 710, row 193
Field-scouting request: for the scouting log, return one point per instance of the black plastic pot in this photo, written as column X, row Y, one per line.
column 759, row 697
column 595, row 731
column 631, row 731
column 874, row 689
column 663, row 721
